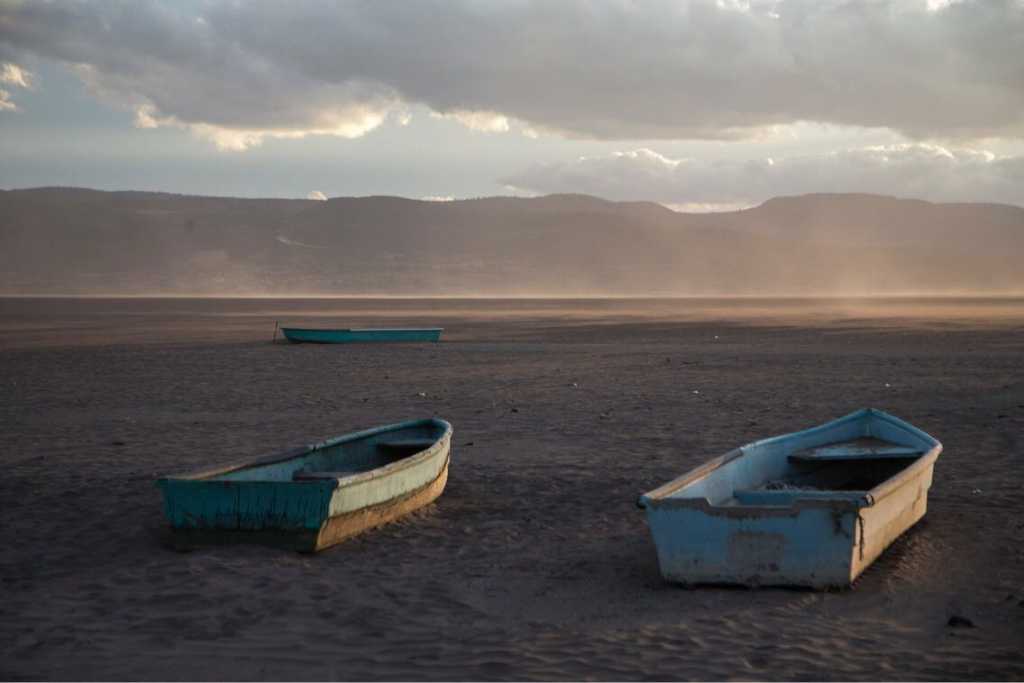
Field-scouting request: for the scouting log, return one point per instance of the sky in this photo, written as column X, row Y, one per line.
column 702, row 105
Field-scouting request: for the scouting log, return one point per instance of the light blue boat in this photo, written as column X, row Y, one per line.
column 354, row 336
column 311, row 497
column 812, row 508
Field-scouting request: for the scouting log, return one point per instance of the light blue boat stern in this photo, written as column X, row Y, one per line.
column 755, row 545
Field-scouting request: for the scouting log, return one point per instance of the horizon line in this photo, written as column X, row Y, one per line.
column 533, row 297
column 663, row 204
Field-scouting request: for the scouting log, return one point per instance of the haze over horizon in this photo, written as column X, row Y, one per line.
column 77, row 241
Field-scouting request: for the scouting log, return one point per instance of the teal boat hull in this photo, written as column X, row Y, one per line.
column 365, row 335
column 311, row 497
column 813, row 508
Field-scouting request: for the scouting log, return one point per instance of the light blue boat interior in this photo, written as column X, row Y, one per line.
column 842, row 459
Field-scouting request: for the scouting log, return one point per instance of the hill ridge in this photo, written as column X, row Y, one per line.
column 82, row 241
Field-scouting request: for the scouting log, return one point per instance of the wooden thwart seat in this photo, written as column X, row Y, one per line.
column 788, row 496
column 405, row 446
column 861, row 449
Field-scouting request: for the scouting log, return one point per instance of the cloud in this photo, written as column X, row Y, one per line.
column 438, row 198
column 351, row 123
column 317, row 195
column 482, row 121
column 238, row 73
column 12, row 74
column 917, row 170
column 295, row 243
column 708, row 207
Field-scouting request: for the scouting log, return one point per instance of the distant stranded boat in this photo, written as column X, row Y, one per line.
column 311, row 497
column 352, row 336
column 811, row 508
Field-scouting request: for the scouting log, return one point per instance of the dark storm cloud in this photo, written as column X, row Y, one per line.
column 617, row 70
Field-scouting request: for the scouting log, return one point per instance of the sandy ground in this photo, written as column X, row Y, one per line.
column 535, row 562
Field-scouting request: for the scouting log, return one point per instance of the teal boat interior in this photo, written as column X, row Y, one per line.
column 344, row 456
column 848, row 459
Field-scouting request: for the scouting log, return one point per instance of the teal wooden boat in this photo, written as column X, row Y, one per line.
column 812, row 508
column 311, row 497
column 354, row 336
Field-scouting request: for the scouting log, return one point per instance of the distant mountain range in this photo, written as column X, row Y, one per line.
column 76, row 241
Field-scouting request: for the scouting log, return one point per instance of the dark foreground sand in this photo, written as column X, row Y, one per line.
column 535, row 562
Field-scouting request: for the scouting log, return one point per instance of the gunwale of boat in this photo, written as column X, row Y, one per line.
column 345, row 479
column 363, row 329
column 662, row 496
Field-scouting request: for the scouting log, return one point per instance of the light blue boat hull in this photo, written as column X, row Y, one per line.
column 719, row 523
column 313, row 496
column 355, row 336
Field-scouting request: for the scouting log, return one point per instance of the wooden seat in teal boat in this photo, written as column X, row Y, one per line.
column 404, row 446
